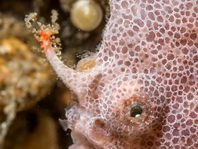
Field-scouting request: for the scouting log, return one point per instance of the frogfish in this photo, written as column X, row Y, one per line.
column 142, row 92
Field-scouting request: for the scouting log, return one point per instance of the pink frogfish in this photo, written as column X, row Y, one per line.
column 142, row 92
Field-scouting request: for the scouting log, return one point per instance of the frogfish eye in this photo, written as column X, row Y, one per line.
column 136, row 111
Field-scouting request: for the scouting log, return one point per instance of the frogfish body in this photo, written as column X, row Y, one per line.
column 143, row 91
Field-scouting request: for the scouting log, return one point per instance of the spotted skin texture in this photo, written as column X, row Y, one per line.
column 148, row 57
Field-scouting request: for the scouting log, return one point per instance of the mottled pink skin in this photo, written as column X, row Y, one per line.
column 148, row 57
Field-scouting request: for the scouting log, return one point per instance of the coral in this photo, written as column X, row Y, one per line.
column 142, row 91
column 24, row 78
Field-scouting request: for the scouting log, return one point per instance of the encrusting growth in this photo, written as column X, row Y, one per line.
column 21, row 78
